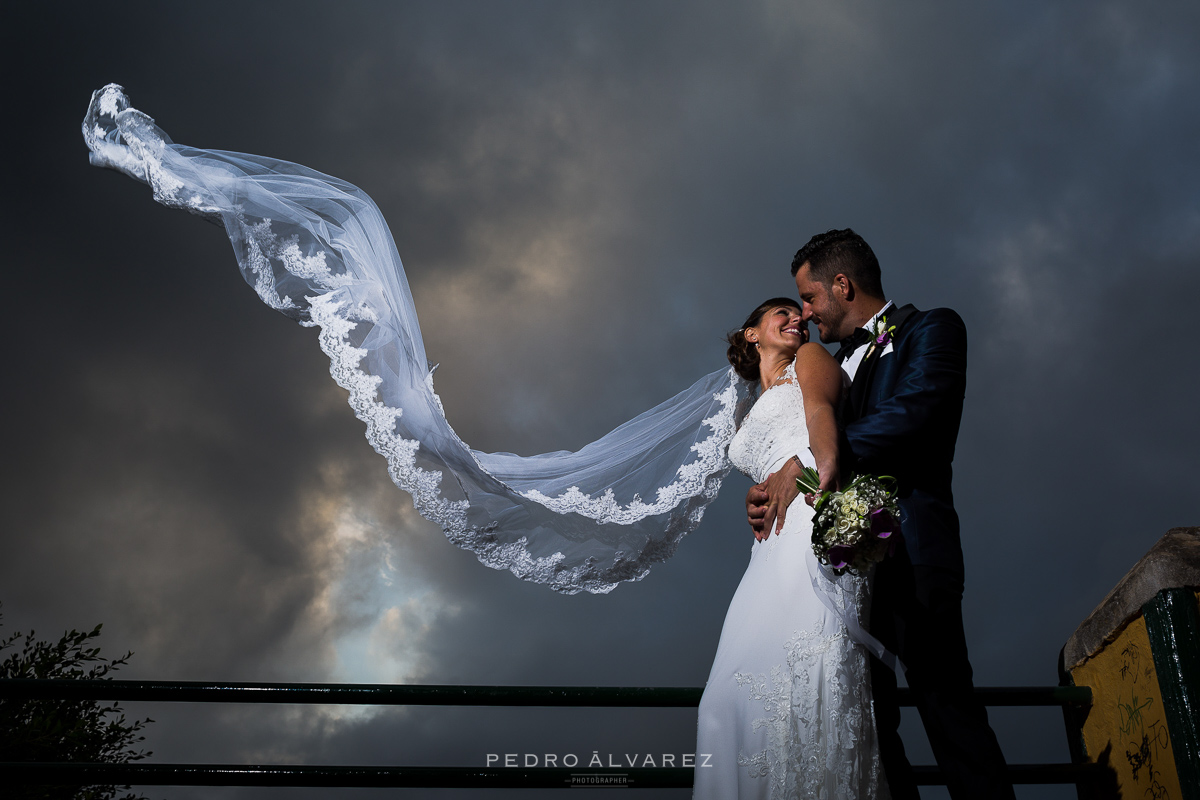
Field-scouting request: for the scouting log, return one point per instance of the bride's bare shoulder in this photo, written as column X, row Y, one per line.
column 813, row 356
column 815, row 367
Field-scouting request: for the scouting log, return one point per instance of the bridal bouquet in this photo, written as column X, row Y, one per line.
column 852, row 528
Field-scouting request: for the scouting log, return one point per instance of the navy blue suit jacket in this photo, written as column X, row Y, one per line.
column 905, row 424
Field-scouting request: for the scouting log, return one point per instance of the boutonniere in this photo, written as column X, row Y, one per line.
column 883, row 335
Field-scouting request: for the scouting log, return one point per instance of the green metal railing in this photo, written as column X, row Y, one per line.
column 160, row 774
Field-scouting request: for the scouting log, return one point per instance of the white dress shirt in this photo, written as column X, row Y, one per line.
column 851, row 364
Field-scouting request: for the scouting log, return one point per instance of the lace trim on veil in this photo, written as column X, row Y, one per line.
column 317, row 249
column 691, row 480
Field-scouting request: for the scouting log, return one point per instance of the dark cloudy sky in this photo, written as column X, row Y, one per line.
column 586, row 196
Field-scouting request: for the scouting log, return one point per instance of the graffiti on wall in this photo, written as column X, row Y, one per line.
column 1140, row 722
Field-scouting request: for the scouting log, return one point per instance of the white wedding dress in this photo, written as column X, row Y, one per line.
column 787, row 709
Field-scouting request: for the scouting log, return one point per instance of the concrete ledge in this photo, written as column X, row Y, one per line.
column 1172, row 563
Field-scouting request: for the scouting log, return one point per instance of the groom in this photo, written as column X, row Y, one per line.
column 907, row 375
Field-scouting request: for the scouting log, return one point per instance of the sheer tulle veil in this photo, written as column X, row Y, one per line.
column 317, row 249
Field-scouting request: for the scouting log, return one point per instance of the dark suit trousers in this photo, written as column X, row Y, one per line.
column 917, row 613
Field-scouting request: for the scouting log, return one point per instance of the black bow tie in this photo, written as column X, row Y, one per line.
column 851, row 343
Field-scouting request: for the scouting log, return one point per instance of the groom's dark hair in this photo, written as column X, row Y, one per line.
column 841, row 251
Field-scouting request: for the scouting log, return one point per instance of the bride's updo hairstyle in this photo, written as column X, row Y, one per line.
column 742, row 353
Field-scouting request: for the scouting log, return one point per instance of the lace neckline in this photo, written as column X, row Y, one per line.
column 787, row 378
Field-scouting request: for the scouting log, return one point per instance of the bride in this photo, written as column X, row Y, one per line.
column 787, row 708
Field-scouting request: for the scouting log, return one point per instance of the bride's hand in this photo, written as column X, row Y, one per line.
column 830, row 473
column 781, row 490
column 831, row 480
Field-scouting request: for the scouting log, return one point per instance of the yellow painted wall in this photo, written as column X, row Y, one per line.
column 1127, row 727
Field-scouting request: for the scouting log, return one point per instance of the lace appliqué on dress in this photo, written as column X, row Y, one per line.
column 817, row 717
column 776, row 418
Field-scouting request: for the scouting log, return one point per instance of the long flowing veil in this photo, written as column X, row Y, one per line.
column 317, row 249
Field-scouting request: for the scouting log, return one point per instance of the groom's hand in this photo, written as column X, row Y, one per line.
column 756, row 509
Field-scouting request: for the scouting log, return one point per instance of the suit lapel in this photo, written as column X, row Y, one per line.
column 859, row 388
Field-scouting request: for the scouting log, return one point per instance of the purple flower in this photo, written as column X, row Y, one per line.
column 840, row 555
column 883, row 338
column 882, row 524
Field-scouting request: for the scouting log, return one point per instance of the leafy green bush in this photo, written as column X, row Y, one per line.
column 64, row 730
